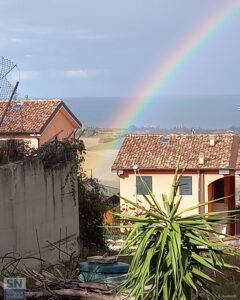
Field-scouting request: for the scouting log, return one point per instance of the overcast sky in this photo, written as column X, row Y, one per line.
column 106, row 47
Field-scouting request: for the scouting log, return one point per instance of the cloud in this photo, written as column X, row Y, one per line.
column 83, row 73
column 24, row 75
column 77, row 73
column 90, row 36
column 16, row 40
column 24, row 34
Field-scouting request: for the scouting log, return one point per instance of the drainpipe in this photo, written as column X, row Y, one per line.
column 135, row 169
column 201, row 190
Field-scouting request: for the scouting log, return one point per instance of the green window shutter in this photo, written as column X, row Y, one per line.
column 141, row 188
column 185, row 185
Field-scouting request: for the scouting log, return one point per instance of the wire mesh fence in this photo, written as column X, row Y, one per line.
column 7, row 74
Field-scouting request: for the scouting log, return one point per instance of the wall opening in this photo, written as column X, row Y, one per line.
column 219, row 189
column 224, row 190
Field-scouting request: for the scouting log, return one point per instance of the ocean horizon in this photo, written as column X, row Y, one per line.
column 207, row 112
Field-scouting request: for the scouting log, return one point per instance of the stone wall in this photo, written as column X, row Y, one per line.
column 35, row 208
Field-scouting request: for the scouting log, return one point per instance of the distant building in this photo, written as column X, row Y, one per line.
column 37, row 121
column 211, row 164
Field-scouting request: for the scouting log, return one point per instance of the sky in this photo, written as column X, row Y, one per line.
column 91, row 48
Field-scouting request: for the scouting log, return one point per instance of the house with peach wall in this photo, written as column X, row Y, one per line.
column 211, row 165
column 37, row 121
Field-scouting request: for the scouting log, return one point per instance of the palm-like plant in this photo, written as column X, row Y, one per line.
column 172, row 252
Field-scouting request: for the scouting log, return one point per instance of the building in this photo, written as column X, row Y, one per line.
column 37, row 121
column 211, row 165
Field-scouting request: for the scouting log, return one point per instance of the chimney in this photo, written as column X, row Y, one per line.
column 201, row 158
column 212, row 140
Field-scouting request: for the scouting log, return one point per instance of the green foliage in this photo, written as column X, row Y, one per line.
column 68, row 150
column 91, row 209
column 75, row 150
column 173, row 251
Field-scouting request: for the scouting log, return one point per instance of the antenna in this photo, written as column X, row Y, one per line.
column 7, row 89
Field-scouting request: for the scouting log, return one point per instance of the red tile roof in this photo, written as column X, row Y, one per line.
column 147, row 151
column 31, row 117
column 238, row 160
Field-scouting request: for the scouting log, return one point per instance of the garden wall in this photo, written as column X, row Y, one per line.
column 35, row 208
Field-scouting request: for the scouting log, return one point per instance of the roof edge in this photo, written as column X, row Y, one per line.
column 71, row 114
column 60, row 105
column 51, row 117
column 174, row 169
column 234, row 152
column 19, row 132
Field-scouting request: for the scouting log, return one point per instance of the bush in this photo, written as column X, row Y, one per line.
column 91, row 209
column 173, row 252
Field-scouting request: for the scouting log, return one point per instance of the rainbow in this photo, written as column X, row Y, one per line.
column 170, row 67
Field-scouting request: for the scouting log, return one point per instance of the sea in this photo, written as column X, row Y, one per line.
column 207, row 112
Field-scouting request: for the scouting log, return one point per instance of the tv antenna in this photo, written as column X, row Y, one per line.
column 8, row 90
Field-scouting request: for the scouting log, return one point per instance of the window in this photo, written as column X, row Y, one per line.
column 11, row 150
column 166, row 139
column 141, row 188
column 12, row 143
column 185, row 185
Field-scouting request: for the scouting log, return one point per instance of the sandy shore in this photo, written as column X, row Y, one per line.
column 99, row 159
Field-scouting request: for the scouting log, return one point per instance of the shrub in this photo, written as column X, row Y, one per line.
column 91, row 209
column 172, row 250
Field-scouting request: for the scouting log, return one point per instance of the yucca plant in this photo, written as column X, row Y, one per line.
column 172, row 251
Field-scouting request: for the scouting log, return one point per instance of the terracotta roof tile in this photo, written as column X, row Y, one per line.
column 30, row 118
column 148, row 152
column 238, row 159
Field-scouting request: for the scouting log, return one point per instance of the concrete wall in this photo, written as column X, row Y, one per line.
column 33, row 204
column 161, row 184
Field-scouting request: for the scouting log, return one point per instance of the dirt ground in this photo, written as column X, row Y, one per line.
column 99, row 159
